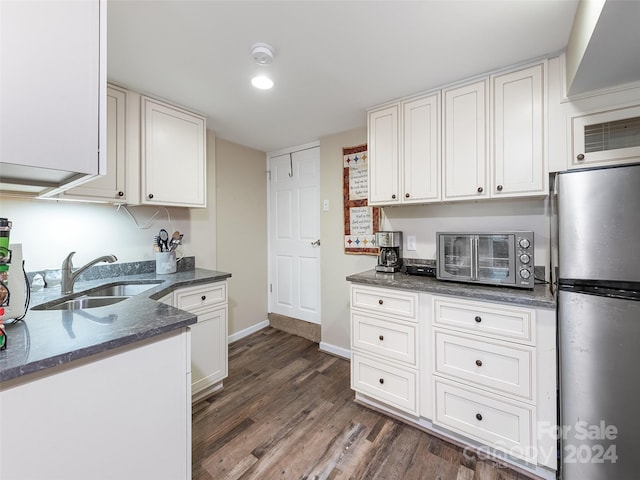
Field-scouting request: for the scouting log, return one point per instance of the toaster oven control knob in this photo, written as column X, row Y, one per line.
column 524, row 243
column 525, row 258
column 524, row 273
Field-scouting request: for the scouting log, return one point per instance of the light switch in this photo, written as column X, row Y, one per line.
column 325, row 205
column 411, row 243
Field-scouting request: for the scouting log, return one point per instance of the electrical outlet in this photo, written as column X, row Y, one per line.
column 411, row 243
column 325, row 205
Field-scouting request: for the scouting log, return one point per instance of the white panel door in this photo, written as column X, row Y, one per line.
column 294, row 227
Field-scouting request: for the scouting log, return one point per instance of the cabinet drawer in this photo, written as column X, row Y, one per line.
column 391, row 385
column 385, row 301
column 496, row 365
column 392, row 340
column 502, row 321
column 201, row 296
column 506, row 426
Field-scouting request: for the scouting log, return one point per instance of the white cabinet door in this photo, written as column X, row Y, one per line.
column 485, row 417
column 393, row 385
column 173, row 156
column 208, row 350
column 383, row 131
column 52, row 81
column 465, row 139
column 110, row 187
column 605, row 137
column 421, row 149
column 519, row 162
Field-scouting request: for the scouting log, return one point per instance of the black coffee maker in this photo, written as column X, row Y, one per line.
column 390, row 256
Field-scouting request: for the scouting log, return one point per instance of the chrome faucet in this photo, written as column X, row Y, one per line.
column 69, row 276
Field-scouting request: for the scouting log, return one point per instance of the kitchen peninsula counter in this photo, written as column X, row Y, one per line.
column 540, row 296
column 50, row 338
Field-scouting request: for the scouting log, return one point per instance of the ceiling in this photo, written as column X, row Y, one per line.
column 333, row 59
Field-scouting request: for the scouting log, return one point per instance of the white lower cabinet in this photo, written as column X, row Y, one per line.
column 119, row 414
column 486, row 418
column 487, row 363
column 494, row 376
column 209, row 351
column 385, row 381
column 384, row 336
column 482, row 373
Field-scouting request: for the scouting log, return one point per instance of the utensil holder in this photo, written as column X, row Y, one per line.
column 165, row 262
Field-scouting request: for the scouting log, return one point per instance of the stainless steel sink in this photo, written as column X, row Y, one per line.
column 100, row 297
column 122, row 289
column 82, row 303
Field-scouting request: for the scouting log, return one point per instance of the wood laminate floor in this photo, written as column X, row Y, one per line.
column 287, row 412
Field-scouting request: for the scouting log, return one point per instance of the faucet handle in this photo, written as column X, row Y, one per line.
column 67, row 263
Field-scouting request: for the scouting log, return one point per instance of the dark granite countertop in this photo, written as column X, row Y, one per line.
column 540, row 296
column 48, row 338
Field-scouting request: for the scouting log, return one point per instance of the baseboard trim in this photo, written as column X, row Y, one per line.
column 332, row 349
column 247, row 331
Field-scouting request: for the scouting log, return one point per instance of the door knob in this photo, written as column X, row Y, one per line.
column 316, row 243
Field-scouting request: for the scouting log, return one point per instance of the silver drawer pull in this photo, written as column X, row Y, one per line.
column 479, row 363
column 478, row 318
column 380, row 302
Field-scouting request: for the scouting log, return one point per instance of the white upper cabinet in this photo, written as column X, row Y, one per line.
column 465, row 142
column 383, row 150
column 421, row 149
column 110, row 187
column 493, row 142
column 605, row 137
column 173, row 155
column 519, row 163
column 53, row 82
column 404, row 152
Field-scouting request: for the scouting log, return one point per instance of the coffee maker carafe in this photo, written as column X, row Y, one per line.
column 390, row 256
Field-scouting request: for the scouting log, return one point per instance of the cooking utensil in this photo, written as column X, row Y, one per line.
column 164, row 237
column 176, row 239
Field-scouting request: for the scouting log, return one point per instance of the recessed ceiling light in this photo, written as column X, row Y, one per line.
column 262, row 82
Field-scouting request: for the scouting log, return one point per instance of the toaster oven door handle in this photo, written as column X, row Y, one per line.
column 474, row 257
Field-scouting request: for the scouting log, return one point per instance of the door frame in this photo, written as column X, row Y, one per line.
column 277, row 153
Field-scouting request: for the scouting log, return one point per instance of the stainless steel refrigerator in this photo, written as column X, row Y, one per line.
column 599, row 322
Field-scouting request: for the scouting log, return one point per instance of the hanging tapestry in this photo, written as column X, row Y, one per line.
column 360, row 220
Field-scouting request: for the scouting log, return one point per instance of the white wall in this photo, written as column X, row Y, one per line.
column 335, row 264
column 241, row 223
column 203, row 220
column 50, row 229
column 425, row 221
